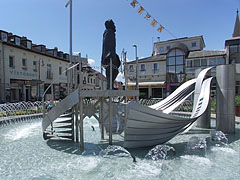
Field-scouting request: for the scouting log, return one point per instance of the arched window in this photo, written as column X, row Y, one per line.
column 175, row 66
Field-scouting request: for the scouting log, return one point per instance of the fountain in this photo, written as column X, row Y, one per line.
column 15, row 112
column 25, row 155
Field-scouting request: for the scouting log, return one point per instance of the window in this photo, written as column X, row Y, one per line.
column 212, row 61
column 189, row 63
column 131, row 68
column 88, row 80
column 24, row 64
column 35, row 66
column 168, row 48
column 175, row 66
column 155, row 67
column 91, row 80
column 204, row 62
column 171, row 61
column 49, row 71
column 29, row 45
column 4, row 37
column 11, row 61
column 60, row 70
column 233, row 49
column 194, row 44
column 196, row 63
column 179, row 60
column 143, row 67
column 161, row 49
column 220, row 61
column 17, row 41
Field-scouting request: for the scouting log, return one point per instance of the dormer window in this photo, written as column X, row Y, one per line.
column 4, row 36
column 29, row 44
column 17, row 41
column 161, row 49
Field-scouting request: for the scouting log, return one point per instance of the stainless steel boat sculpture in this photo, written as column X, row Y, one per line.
column 148, row 126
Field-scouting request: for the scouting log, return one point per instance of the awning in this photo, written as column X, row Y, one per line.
column 147, row 83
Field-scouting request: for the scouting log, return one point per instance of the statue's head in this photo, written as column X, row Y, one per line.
column 109, row 24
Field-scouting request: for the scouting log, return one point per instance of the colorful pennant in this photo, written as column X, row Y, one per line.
column 134, row 3
column 140, row 10
column 148, row 16
column 160, row 28
column 154, row 23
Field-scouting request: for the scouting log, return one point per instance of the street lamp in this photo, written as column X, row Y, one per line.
column 137, row 87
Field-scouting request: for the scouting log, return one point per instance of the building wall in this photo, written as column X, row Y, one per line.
column 27, row 82
column 20, row 79
column 195, row 58
column 165, row 46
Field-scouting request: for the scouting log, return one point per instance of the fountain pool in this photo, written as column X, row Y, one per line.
column 25, row 155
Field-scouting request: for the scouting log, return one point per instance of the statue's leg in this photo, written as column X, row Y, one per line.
column 108, row 77
column 115, row 73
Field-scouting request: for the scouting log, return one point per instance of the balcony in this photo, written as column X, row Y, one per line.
column 155, row 71
column 24, row 68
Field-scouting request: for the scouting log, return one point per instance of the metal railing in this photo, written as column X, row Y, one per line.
column 52, row 101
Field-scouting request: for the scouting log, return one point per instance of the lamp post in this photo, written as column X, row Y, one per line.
column 70, row 49
column 137, row 80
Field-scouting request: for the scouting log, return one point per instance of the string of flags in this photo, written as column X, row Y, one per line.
column 154, row 22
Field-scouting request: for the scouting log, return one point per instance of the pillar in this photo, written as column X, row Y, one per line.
column 225, row 102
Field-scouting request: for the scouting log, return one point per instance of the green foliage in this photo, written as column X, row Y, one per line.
column 237, row 100
column 213, row 105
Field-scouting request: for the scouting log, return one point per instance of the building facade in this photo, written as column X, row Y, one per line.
column 174, row 62
column 27, row 69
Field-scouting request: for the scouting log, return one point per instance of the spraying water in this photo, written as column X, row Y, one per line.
column 218, row 138
column 197, row 146
column 159, row 152
column 115, row 148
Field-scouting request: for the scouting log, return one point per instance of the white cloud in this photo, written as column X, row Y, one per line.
column 91, row 62
column 76, row 53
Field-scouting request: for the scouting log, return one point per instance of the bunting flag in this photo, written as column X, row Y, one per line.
column 148, row 16
column 154, row 23
column 134, row 3
column 140, row 10
column 160, row 28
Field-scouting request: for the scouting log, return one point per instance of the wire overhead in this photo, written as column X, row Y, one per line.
column 148, row 16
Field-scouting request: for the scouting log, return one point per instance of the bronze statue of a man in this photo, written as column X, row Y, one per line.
column 109, row 51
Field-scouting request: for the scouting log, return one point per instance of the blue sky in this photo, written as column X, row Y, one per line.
column 47, row 22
